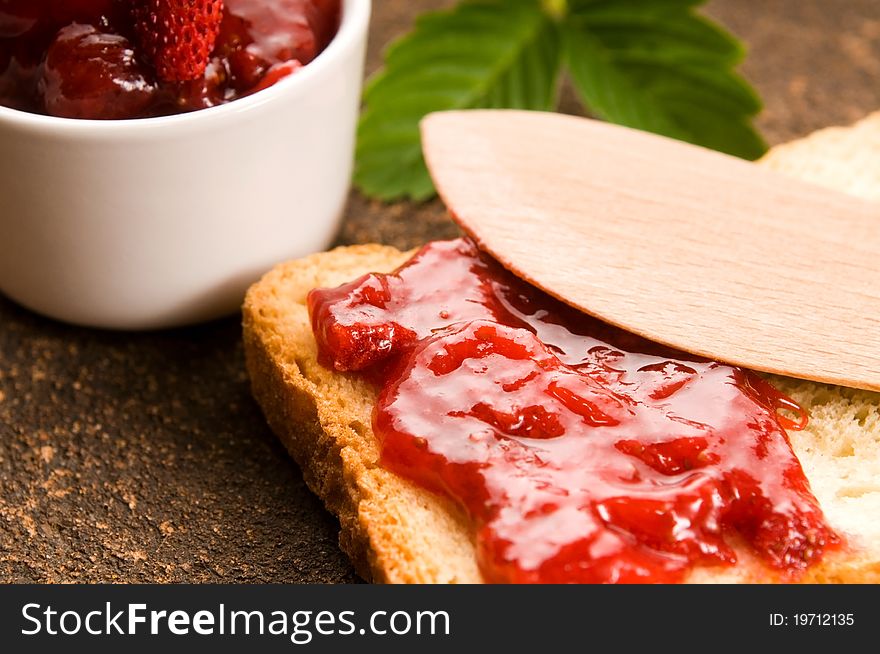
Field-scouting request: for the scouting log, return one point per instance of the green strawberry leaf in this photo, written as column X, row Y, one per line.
column 656, row 65
column 481, row 54
column 648, row 64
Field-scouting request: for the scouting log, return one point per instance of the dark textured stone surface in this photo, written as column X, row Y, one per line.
column 141, row 457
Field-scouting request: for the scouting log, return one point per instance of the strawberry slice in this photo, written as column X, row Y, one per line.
column 177, row 36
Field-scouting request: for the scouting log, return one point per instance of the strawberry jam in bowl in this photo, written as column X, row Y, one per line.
column 122, row 59
column 159, row 155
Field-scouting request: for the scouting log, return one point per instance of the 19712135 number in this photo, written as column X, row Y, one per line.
column 812, row 620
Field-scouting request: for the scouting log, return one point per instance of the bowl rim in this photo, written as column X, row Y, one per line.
column 354, row 22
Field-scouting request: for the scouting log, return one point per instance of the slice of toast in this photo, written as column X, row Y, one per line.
column 398, row 533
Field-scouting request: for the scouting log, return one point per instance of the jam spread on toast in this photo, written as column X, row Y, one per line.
column 581, row 453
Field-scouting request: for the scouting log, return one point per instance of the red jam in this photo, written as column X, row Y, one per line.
column 582, row 453
column 79, row 58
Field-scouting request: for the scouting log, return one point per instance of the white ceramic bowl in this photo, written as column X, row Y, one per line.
column 158, row 222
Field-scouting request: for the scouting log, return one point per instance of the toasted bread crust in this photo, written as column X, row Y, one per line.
column 395, row 532
column 324, row 420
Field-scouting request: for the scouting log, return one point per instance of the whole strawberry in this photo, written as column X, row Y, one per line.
column 177, row 36
column 90, row 73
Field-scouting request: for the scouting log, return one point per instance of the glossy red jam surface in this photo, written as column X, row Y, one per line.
column 79, row 58
column 582, row 453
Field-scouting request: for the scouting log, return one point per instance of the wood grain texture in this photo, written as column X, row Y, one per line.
column 698, row 250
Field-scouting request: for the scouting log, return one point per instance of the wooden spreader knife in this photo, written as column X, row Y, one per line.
column 688, row 247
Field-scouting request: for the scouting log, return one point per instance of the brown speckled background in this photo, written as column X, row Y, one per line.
column 142, row 458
